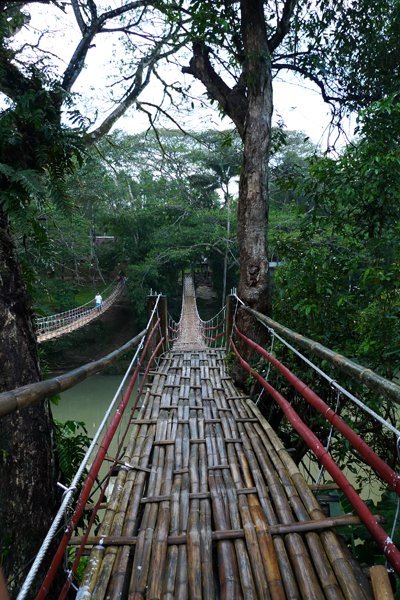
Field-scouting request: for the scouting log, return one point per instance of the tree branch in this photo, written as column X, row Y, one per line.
column 291, row 67
column 232, row 100
column 140, row 82
column 283, row 25
column 78, row 16
column 88, row 33
column 77, row 61
column 164, row 112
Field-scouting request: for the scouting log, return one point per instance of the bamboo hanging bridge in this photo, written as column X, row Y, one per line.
column 207, row 502
column 54, row 326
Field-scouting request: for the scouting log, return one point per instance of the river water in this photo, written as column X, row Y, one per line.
column 88, row 402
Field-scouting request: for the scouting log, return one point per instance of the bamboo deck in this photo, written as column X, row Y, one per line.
column 210, row 502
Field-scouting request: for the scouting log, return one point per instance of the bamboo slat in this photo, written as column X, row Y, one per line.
column 381, row 583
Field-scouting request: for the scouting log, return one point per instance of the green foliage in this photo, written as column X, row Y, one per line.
column 363, row 546
column 341, row 271
column 80, row 570
column 338, row 279
column 72, row 442
column 163, row 199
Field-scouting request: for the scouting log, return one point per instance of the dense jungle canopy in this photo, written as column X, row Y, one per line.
column 238, row 198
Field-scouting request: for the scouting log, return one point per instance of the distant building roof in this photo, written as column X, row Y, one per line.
column 102, row 239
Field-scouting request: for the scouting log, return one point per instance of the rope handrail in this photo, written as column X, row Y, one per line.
column 25, row 395
column 219, row 329
column 367, row 376
column 222, row 310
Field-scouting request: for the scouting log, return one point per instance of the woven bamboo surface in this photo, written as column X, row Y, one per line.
column 197, row 512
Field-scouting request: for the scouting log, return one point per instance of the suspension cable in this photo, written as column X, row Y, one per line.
column 328, row 443
column 330, row 380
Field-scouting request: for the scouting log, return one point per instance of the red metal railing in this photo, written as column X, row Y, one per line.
column 379, row 465
column 378, row 533
column 94, row 470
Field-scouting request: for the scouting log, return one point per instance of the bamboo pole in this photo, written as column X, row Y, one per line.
column 381, row 583
column 132, row 498
column 249, row 561
column 305, row 505
column 193, row 534
column 280, row 529
column 114, row 519
column 172, row 553
column 366, row 376
column 28, row 394
column 208, row 583
column 299, row 558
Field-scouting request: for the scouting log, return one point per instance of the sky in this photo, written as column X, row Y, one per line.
column 297, row 103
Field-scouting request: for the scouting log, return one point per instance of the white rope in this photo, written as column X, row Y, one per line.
column 214, row 316
column 68, row 493
column 331, row 381
column 328, row 443
column 268, row 369
column 396, row 516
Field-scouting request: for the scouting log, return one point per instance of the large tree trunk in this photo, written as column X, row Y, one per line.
column 253, row 187
column 253, row 286
column 27, row 471
column 249, row 105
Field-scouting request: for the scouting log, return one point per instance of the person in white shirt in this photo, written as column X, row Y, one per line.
column 98, row 300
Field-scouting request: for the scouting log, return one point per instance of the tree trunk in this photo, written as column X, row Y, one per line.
column 228, row 235
column 27, row 470
column 253, row 186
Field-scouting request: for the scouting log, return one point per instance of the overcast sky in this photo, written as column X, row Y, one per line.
column 296, row 102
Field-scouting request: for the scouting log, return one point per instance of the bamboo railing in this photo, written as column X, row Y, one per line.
column 368, row 377
column 34, row 392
